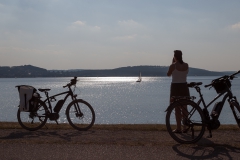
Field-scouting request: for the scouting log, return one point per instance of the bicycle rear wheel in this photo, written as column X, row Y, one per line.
column 33, row 120
column 80, row 115
column 190, row 120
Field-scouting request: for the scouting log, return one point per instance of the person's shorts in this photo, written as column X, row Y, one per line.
column 179, row 89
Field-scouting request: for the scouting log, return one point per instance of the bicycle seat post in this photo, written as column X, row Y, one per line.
column 46, row 93
column 198, row 89
column 48, row 100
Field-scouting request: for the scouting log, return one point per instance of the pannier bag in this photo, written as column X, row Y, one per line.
column 27, row 95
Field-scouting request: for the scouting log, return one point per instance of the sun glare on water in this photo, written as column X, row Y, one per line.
column 109, row 79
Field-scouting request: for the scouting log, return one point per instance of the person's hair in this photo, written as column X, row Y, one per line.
column 178, row 55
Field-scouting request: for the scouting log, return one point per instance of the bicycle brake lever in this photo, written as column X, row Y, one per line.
column 232, row 77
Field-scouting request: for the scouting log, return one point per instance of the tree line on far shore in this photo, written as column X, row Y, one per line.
column 130, row 71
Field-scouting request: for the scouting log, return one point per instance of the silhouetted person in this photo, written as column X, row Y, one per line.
column 179, row 70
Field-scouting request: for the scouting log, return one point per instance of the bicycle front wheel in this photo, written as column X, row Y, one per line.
column 80, row 115
column 35, row 119
column 185, row 121
column 236, row 111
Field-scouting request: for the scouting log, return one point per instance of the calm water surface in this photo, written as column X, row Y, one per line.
column 116, row 100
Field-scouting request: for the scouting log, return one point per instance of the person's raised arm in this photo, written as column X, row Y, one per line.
column 170, row 70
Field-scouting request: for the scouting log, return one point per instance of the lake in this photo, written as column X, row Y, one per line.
column 116, row 100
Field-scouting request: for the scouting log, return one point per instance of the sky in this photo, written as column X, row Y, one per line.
column 107, row 34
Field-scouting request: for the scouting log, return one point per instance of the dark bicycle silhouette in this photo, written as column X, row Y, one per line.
column 195, row 119
column 34, row 113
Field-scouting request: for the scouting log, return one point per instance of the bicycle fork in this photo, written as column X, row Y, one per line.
column 78, row 110
column 233, row 102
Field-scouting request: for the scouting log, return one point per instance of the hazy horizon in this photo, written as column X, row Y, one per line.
column 108, row 34
column 117, row 68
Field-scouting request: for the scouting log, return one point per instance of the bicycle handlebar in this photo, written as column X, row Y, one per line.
column 224, row 78
column 208, row 85
column 232, row 76
column 65, row 86
column 73, row 82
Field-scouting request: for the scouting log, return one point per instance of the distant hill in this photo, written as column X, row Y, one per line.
column 22, row 71
column 130, row 71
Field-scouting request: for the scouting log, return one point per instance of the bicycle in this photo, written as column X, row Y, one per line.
column 194, row 119
column 79, row 113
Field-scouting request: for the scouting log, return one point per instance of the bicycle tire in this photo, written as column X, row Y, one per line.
column 81, row 121
column 33, row 120
column 193, row 123
column 236, row 111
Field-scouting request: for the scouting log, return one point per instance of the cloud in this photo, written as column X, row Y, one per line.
column 95, row 28
column 236, row 26
column 128, row 30
column 129, row 23
column 80, row 25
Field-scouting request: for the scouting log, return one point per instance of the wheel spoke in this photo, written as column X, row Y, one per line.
column 184, row 121
column 80, row 115
column 33, row 120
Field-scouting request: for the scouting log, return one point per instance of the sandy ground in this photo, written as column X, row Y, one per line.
column 113, row 144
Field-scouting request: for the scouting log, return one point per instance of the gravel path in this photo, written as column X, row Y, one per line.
column 113, row 144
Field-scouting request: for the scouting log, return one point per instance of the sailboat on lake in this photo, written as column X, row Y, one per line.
column 139, row 78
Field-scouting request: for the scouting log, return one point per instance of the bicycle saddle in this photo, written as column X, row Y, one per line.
column 43, row 90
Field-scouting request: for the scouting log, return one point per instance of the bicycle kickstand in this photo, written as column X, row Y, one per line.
column 210, row 134
column 56, row 122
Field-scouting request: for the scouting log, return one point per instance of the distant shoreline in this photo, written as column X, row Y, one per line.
column 28, row 71
column 103, row 77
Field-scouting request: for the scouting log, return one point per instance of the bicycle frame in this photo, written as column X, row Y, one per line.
column 68, row 93
column 229, row 94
